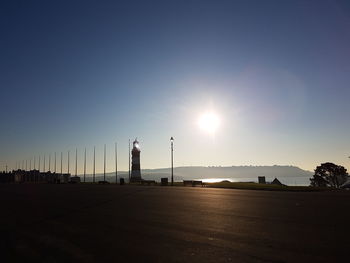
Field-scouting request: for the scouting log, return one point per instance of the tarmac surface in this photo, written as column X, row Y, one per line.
column 109, row 223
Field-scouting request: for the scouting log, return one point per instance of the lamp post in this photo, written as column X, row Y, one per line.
column 172, row 160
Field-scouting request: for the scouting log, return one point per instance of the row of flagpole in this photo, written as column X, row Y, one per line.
column 24, row 164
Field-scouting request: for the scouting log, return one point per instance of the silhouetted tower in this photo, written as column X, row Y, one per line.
column 135, row 167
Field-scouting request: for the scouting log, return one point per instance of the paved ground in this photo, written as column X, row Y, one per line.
column 100, row 223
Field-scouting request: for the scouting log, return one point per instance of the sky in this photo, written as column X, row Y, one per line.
column 275, row 74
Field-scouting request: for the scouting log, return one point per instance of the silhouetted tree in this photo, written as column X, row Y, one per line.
column 329, row 175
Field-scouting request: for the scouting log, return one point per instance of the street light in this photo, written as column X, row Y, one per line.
column 172, row 160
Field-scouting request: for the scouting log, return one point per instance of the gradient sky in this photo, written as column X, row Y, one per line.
column 84, row 73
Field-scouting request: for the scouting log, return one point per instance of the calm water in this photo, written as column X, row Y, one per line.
column 284, row 180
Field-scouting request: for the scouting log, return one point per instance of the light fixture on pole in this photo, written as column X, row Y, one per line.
column 172, row 160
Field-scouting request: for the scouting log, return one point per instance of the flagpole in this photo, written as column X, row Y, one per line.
column 94, row 165
column 84, row 164
column 76, row 162
column 116, row 164
column 129, row 161
column 104, row 164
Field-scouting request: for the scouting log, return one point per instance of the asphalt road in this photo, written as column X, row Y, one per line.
column 108, row 223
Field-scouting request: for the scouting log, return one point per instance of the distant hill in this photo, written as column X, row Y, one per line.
column 243, row 173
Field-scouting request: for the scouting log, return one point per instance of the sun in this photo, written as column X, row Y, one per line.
column 209, row 122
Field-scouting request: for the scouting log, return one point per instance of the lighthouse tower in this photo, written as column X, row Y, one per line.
column 135, row 168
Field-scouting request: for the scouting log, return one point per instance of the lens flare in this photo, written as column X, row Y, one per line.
column 209, row 122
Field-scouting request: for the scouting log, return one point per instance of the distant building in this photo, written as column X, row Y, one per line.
column 6, row 177
column 135, row 167
column 33, row 176
column 262, row 179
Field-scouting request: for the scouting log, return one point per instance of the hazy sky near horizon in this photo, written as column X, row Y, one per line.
column 84, row 73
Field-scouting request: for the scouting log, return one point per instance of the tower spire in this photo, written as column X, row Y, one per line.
column 135, row 167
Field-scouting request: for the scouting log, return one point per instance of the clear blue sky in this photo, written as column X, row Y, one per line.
column 84, row 73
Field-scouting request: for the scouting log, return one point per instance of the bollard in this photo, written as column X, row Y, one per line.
column 121, row 181
column 164, row 181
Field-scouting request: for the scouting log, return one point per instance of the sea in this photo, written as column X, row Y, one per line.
column 292, row 181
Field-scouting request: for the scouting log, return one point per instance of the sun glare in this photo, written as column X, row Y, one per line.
column 209, row 122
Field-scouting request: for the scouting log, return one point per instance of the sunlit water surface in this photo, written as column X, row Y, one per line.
column 284, row 180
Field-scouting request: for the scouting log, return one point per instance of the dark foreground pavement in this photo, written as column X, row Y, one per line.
column 108, row 223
